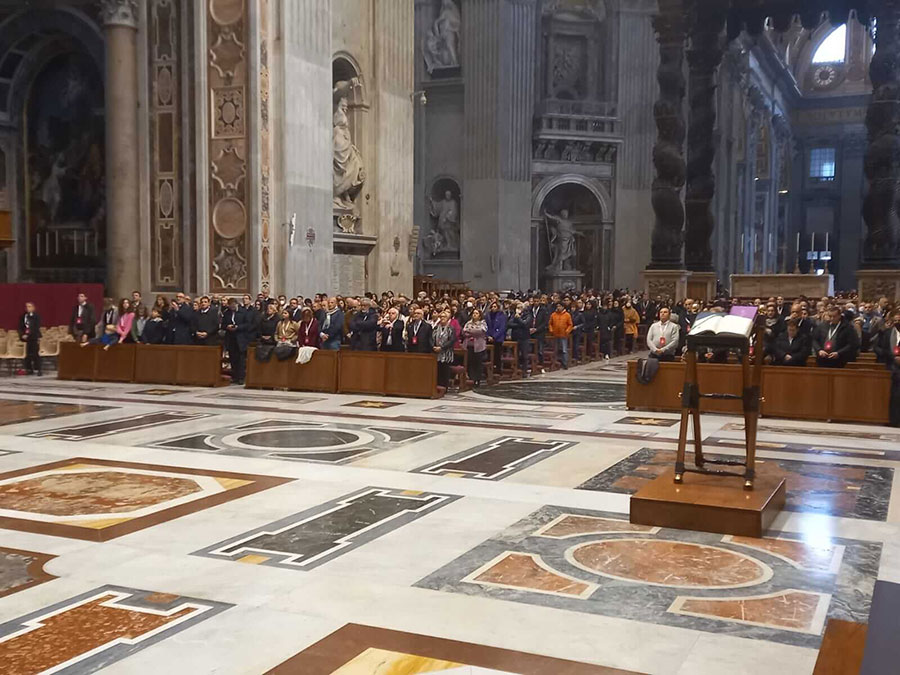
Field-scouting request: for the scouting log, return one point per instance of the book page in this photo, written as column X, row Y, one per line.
column 707, row 324
column 735, row 325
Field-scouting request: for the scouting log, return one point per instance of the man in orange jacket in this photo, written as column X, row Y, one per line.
column 561, row 327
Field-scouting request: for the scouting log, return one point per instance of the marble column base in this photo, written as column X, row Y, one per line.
column 873, row 284
column 564, row 280
column 673, row 283
column 702, row 285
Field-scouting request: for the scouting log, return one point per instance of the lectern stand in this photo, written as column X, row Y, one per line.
column 690, row 404
column 709, row 499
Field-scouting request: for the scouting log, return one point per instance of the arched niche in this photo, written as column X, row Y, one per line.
column 587, row 206
column 52, row 94
column 445, row 213
column 351, row 147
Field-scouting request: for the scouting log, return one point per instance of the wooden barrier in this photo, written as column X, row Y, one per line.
column 831, row 394
column 188, row 365
column 349, row 372
column 318, row 374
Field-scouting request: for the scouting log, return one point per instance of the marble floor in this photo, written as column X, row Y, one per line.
column 187, row 530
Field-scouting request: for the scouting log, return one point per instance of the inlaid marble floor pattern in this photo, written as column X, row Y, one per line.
column 187, row 530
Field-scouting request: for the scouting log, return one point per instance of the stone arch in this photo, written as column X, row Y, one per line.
column 32, row 44
column 545, row 187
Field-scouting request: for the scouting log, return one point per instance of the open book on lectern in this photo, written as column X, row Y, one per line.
column 738, row 322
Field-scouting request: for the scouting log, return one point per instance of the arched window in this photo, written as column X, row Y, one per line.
column 833, row 48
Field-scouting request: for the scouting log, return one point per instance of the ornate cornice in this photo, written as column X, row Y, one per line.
column 119, row 13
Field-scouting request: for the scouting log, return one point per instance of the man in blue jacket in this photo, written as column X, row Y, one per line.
column 496, row 331
column 332, row 326
column 181, row 316
column 520, row 332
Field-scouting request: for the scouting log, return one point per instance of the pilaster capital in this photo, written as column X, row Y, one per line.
column 119, row 13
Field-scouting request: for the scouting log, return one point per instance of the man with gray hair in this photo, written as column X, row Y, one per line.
column 332, row 328
column 662, row 338
column 364, row 327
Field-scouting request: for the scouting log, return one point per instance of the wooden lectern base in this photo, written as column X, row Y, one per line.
column 710, row 503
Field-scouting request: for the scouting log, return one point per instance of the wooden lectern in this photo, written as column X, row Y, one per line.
column 691, row 395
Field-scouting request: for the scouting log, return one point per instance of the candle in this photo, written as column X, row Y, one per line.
column 798, row 243
column 812, row 242
column 826, row 241
column 742, row 242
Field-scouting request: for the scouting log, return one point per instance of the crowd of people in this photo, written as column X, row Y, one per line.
column 832, row 331
column 439, row 324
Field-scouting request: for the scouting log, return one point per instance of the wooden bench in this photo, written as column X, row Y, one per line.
column 349, row 372
column 829, row 394
column 187, row 365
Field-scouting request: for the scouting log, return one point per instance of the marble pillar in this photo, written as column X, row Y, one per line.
column 638, row 61
column 668, row 152
column 301, row 101
column 881, row 251
column 498, row 39
column 123, row 275
column 704, row 57
column 394, row 58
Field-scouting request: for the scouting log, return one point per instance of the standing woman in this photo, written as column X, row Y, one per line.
column 126, row 320
column 308, row 331
column 444, row 339
column 162, row 304
column 140, row 320
column 475, row 332
column 632, row 319
column 267, row 328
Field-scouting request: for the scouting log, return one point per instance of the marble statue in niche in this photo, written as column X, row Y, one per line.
column 441, row 44
column 349, row 169
column 444, row 235
column 561, row 236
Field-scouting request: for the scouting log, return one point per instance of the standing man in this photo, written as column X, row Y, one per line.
column 137, row 302
column 206, row 324
column 496, row 323
column 30, row 334
column 81, row 323
column 363, row 327
column 887, row 348
column 391, row 328
column 418, row 334
column 560, row 329
column 180, row 317
column 662, row 337
column 833, row 343
column 236, row 324
column 332, row 327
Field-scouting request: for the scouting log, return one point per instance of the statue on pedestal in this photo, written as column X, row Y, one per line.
column 441, row 45
column 349, row 171
column 561, row 235
column 446, row 225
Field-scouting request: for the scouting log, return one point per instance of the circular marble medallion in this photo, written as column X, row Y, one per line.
column 229, row 218
column 557, row 391
column 225, row 12
column 675, row 564
column 292, row 439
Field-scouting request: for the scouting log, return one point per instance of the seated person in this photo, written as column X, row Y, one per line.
column 155, row 329
column 834, row 341
column 267, row 328
column 791, row 348
column 286, row 335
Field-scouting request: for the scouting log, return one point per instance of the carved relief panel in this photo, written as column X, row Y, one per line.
column 166, row 168
column 227, row 80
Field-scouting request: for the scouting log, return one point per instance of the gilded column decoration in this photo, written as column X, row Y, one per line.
column 165, row 155
column 265, row 272
column 882, row 160
column 668, row 152
column 227, row 80
column 704, row 57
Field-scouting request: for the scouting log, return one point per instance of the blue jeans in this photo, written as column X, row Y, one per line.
column 562, row 345
column 333, row 344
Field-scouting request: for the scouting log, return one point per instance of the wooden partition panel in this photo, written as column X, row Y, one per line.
column 77, row 362
column 834, row 394
column 115, row 364
column 320, row 373
column 156, row 364
column 271, row 374
column 362, row 372
column 144, row 364
column 198, row 366
column 410, row 375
